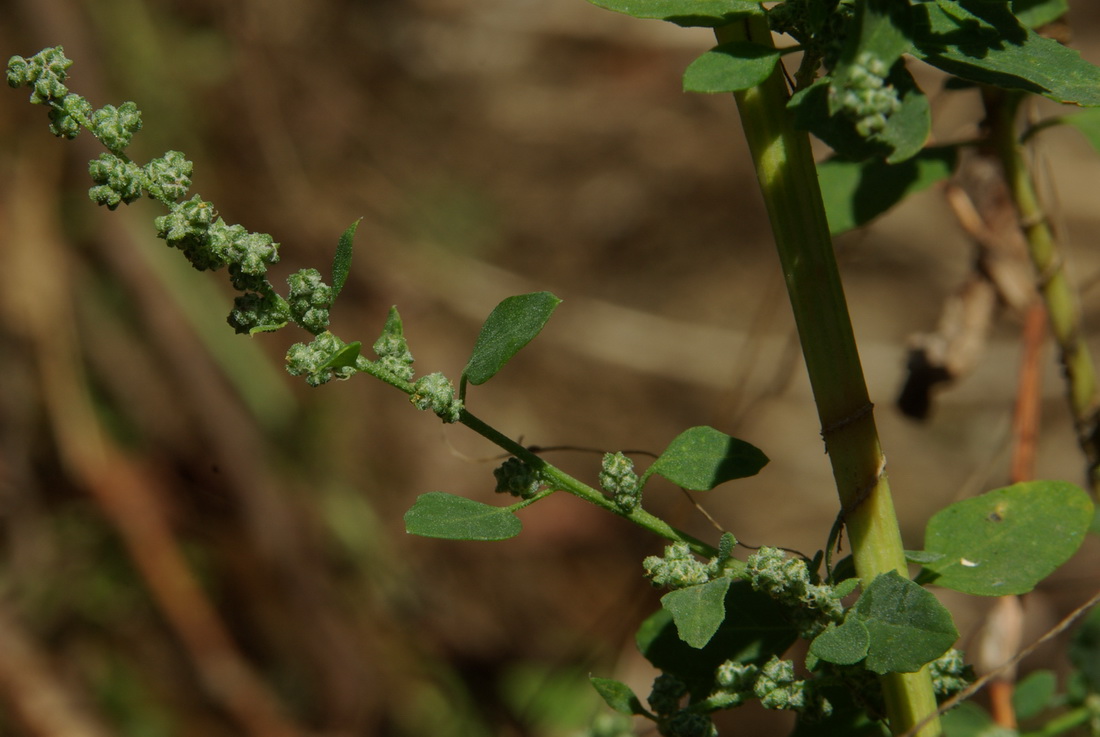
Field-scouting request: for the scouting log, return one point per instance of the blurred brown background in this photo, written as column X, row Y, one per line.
column 194, row 543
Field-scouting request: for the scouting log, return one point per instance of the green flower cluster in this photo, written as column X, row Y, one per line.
column 517, row 478
column 309, row 300
column 45, row 73
column 319, row 360
column 618, row 479
column 864, row 95
column 774, row 684
column 678, row 568
column 788, row 581
column 950, row 673
column 673, row 720
column 437, row 393
column 392, row 349
column 193, row 225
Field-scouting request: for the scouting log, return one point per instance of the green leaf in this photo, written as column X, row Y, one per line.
column 618, row 696
column 730, row 67
column 706, row 13
column 1007, row 540
column 341, row 263
column 1034, row 693
column 438, row 514
column 346, row 356
column 511, row 325
column 1035, row 13
column 844, row 645
column 907, row 625
column 983, row 42
column 760, row 629
column 922, row 557
column 905, row 133
column 700, row 458
column 970, row 720
column 1084, row 650
column 856, row 192
column 698, row 611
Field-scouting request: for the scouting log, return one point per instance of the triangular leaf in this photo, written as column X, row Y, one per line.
column 700, row 458
column 510, row 326
column 908, row 626
column 698, row 610
column 346, row 356
column 341, row 263
column 730, row 67
column 438, row 514
column 707, row 13
column 618, row 696
column 1007, row 540
column 844, row 645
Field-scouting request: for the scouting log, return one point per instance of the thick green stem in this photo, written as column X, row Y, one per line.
column 788, row 181
column 1054, row 286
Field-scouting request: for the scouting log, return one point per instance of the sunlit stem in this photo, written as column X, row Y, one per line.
column 788, row 182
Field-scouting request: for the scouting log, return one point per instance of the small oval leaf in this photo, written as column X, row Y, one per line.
column 1007, row 540
column 698, row 611
column 618, row 696
column 438, row 514
column 906, row 624
column 700, row 458
column 730, row 67
column 510, row 326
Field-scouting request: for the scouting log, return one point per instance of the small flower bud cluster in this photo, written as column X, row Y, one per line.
column 206, row 240
column 673, row 720
column 950, row 673
column 677, row 569
column 517, row 478
column 865, row 96
column 69, row 116
column 315, row 360
column 309, row 300
column 115, row 127
column 45, row 73
column 437, row 393
column 620, row 481
column 788, row 581
column 393, row 350
column 774, row 684
column 117, row 181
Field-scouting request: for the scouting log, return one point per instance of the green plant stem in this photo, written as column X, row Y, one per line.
column 788, row 182
column 1054, row 286
column 555, row 478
